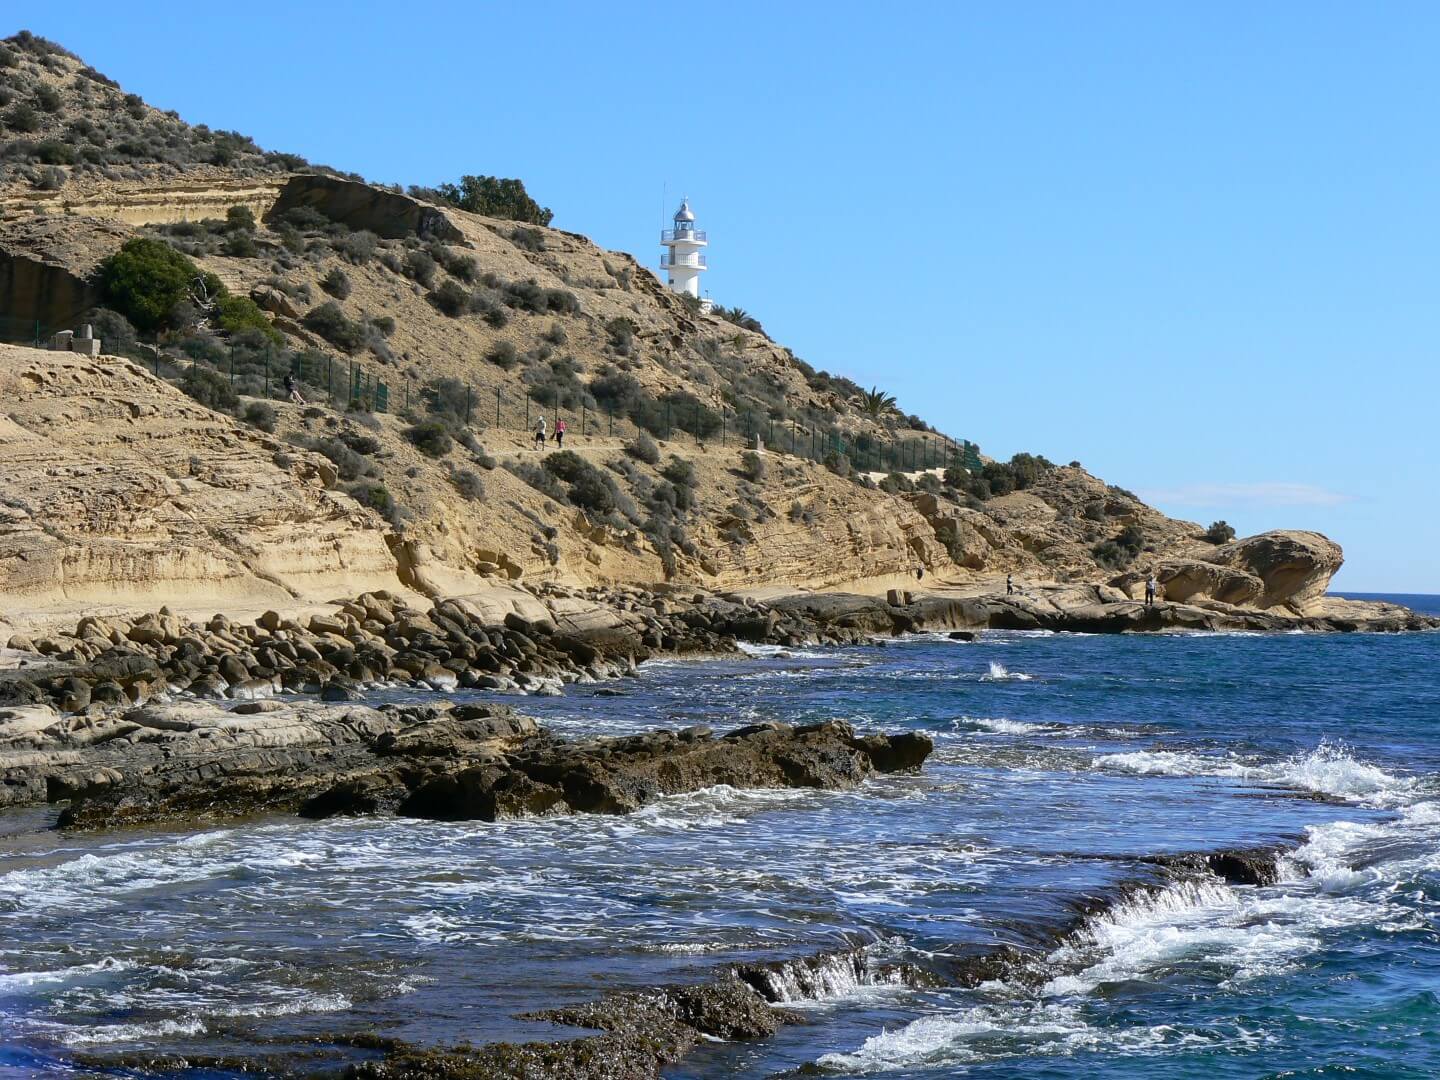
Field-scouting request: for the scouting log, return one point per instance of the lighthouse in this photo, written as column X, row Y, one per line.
column 684, row 258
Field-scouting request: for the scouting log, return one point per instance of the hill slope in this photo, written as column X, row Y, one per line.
column 427, row 340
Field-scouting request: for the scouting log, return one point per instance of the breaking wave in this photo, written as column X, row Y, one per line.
column 1329, row 769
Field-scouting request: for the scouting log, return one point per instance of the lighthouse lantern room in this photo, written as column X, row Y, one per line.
column 684, row 258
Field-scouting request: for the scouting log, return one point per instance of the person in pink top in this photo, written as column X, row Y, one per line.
column 559, row 434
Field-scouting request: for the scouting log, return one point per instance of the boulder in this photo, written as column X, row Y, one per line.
column 1294, row 567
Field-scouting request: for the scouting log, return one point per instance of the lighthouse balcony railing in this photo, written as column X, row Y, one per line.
column 695, row 261
column 669, row 235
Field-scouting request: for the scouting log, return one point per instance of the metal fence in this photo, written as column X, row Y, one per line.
column 700, row 424
column 345, row 383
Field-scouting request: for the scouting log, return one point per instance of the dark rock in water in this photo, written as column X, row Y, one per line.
column 478, row 761
column 21, row 691
column 961, row 635
column 340, row 689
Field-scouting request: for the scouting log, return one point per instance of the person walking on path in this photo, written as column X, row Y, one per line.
column 292, row 391
column 1009, row 585
column 919, row 573
column 1150, row 586
column 559, row 434
column 540, row 434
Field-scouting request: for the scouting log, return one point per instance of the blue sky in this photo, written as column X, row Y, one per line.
column 1193, row 247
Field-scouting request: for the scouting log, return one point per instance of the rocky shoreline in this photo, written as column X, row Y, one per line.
column 124, row 704
column 635, row 1033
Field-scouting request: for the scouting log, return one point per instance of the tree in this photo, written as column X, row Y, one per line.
column 495, row 197
column 147, row 280
column 739, row 316
column 875, row 403
column 1220, row 532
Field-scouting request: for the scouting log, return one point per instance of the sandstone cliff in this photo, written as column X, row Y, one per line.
column 124, row 493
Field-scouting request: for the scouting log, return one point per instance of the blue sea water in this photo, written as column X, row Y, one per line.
column 1062, row 761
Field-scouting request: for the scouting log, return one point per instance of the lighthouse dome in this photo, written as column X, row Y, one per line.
column 685, row 213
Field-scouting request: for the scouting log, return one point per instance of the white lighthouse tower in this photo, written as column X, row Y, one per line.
column 684, row 260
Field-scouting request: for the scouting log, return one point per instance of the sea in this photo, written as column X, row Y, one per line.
column 1064, row 764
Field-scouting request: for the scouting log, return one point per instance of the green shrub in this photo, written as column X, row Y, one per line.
column 356, row 247
column 451, row 298
column 529, row 239
column 1220, row 532
column 1113, row 555
column 1095, row 510
column 240, row 219
column 490, row 196
column 147, row 281
column 590, row 488
column 260, row 415
column 838, row 463
column 23, row 118
column 348, row 464
column 643, row 448
column 463, row 267
column 54, row 152
column 542, row 480
column 680, row 472
column 1028, row 468
column 336, row 283
column 556, row 335
column 468, row 484
column 1000, row 477
column 236, row 314
column 621, row 334
column 330, row 323
column 361, row 444
column 240, row 245
column 384, row 323
column 210, row 389
column 430, row 438
column 420, row 266
column 752, row 466
column 377, row 497
column 503, row 355
column 896, row 483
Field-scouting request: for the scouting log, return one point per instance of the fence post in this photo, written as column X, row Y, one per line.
column 582, row 419
column 668, row 432
column 497, row 406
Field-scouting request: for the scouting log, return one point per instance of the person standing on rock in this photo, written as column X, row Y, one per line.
column 559, row 434
column 540, row 434
column 1150, row 586
column 919, row 573
column 292, row 391
column 1009, row 585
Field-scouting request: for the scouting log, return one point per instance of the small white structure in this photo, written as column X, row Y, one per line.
column 684, row 261
column 85, row 342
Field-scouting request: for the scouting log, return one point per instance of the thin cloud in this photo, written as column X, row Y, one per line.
column 1269, row 494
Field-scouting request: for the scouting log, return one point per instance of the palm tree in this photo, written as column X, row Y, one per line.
column 876, row 403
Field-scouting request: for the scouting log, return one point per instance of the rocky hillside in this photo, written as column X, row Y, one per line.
column 425, row 340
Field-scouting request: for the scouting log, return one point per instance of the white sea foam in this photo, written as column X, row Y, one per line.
column 13, row 981
column 998, row 1031
column 1329, row 769
column 1000, row 673
column 120, row 1033
column 1000, row 726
